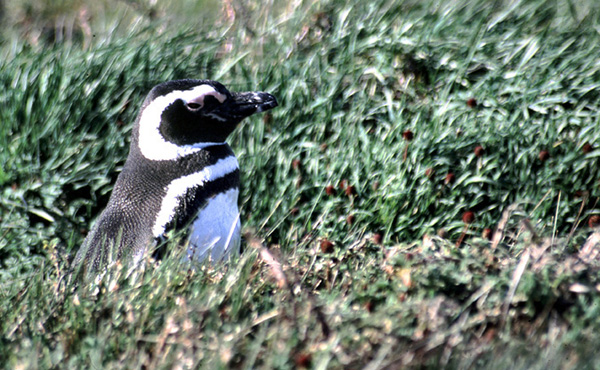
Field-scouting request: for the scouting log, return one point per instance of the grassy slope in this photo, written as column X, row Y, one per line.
column 351, row 79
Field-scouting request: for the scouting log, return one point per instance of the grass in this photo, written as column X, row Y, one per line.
column 362, row 257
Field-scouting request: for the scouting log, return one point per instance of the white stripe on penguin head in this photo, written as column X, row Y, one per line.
column 152, row 143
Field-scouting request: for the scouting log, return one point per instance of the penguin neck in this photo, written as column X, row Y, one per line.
column 149, row 142
column 171, row 153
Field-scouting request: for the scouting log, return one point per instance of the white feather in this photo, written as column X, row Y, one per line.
column 217, row 228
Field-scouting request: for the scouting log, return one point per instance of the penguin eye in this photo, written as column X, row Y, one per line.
column 194, row 106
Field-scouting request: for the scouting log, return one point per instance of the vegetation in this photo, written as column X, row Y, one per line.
column 425, row 194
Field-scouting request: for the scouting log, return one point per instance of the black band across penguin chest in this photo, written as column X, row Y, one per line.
column 196, row 197
column 189, row 182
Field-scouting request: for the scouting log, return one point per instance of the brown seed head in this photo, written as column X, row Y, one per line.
column 350, row 219
column 587, row 147
column 377, row 238
column 408, row 135
column 544, row 155
column 329, row 190
column 471, row 102
column 468, row 217
column 350, row 190
column 479, row 151
column 450, row 178
column 326, row 246
column 594, row 221
column 303, row 360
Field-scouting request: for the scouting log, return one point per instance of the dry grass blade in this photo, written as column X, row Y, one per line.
column 499, row 233
column 577, row 219
column 591, row 248
column 516, row 278
column 269, row 259
column 556, row 217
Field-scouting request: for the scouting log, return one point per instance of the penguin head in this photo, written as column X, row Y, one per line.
column 190, row 113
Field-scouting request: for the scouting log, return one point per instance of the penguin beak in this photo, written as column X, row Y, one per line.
column 244, row 104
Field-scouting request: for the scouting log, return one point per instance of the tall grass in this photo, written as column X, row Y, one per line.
column 379, row 267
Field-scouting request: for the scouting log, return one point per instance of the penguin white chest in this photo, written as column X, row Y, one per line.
column 216, row 229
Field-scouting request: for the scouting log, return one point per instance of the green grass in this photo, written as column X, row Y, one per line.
column 351, row 78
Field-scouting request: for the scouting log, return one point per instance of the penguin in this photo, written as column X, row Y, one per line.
column 180, row 174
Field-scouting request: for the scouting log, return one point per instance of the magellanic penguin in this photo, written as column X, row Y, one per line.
column 180, row 172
